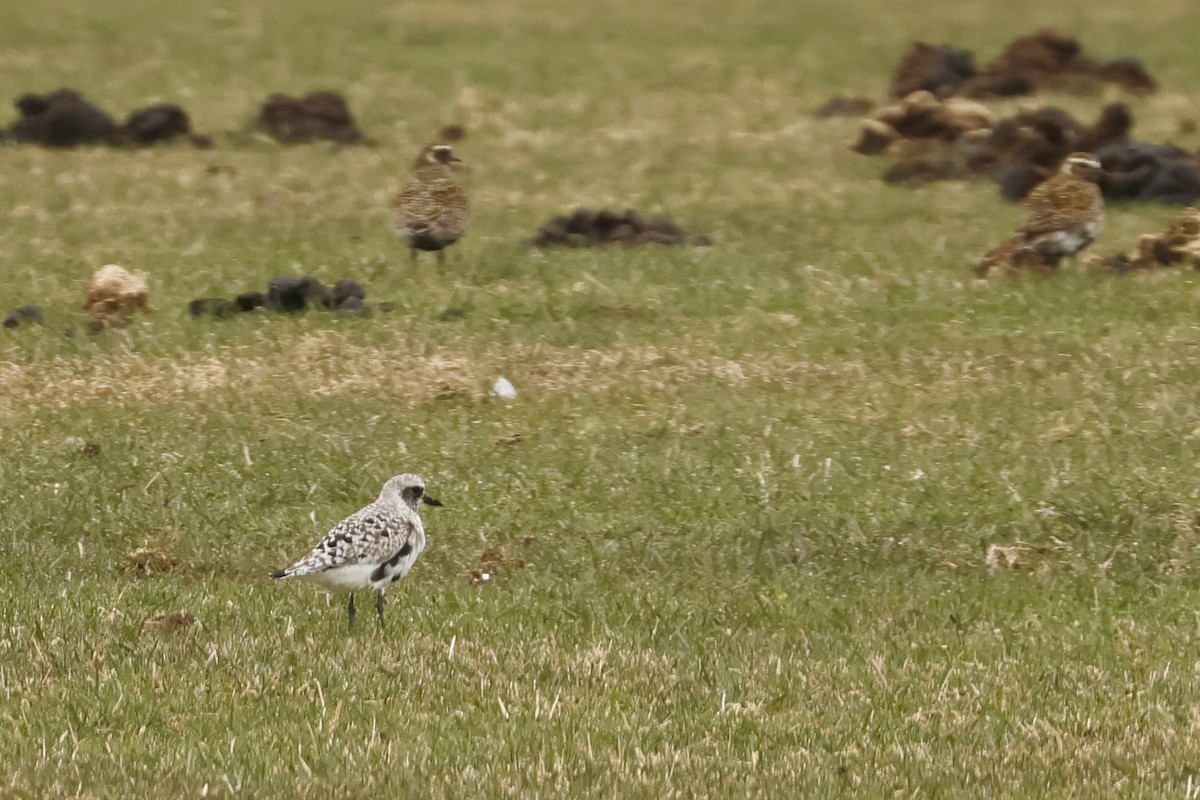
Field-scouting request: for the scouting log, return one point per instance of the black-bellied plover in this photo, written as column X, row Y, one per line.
column 431, row 210
column 373, row 547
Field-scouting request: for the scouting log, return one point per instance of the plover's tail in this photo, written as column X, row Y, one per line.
column 305, row 566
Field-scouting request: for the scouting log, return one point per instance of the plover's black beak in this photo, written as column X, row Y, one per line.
column 430, row 501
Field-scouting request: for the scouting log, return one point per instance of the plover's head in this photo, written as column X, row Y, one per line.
column 1081, row 165
column 408, row 489
column 436, row 154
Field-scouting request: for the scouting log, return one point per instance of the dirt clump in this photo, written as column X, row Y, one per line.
column 1044, row 59
column 24, row 315
column 585, row 228
column 940, row 70
column 1178, row 245
column 65, row 118
column 62, row 118
column 289, row 295
column 317, row 116
column 114, row 294
column 954, row 138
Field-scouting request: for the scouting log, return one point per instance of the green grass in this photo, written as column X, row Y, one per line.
column 737, row 524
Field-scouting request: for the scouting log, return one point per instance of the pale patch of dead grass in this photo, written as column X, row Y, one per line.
column 170, row 622
column 326, row 364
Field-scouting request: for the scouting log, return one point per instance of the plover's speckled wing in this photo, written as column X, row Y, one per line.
column 1059, row 202
column 370, row 536
column 437, row 207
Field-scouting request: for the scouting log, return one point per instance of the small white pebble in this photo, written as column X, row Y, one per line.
column 503, row 389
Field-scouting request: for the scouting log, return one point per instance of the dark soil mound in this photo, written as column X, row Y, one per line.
column 584, row 228
column 288, row 295
column 1047, row 58
column 1052, row 59
column 953, row 139
column 62, row 118
column 1140, row 171
column 161, row 122
column 25, row 315
column 938, row 69
column 316, row 116
column 297, row 294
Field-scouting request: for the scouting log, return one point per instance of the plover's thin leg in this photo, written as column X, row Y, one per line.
column 413, row 252
column 441, row 258
column 379, row 606
column 351, row 610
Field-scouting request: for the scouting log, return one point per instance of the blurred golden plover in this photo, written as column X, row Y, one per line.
column 431, row 210
column 373, row 547
column 1063, row 215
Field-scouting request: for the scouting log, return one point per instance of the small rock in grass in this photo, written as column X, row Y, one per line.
column 504, row 389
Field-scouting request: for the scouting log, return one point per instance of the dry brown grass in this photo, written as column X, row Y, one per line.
column 327, row 364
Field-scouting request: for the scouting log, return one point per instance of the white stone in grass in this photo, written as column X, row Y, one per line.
column 503, row 389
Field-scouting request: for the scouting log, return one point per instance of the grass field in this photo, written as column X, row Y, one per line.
column 738, row 522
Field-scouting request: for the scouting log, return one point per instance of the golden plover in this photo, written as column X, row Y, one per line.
column 431, row 210
column 373, row 547
column 1063, row 215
